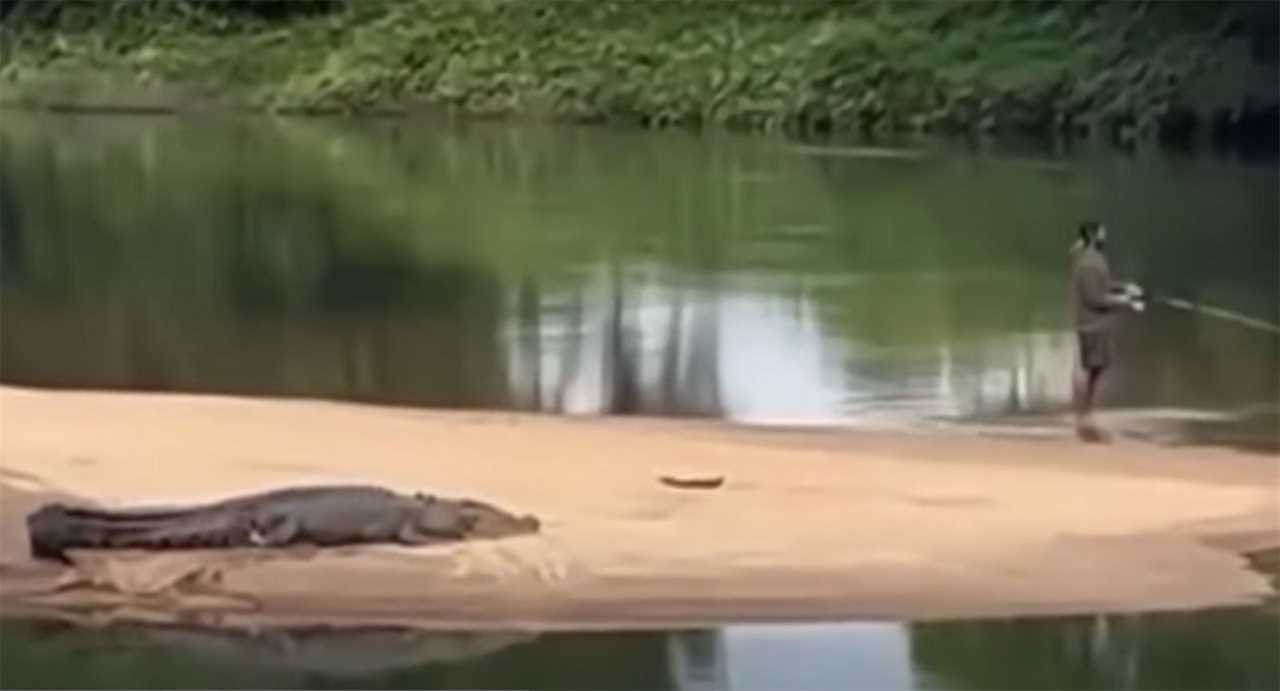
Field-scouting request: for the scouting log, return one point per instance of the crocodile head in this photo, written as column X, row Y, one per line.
column 466, row 518
column 481, row 520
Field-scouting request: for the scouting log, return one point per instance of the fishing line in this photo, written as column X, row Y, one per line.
column 1226, row 315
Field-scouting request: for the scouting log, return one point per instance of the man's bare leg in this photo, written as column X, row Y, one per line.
column 1085, row 425
column 1078, row 377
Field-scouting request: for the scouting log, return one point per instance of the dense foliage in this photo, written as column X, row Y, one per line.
column 873, row 65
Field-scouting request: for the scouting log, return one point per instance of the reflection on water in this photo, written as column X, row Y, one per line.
column 585, row 271
column 698, row 660
column 819, row 656
column 1223, row 649
column 1204, row 650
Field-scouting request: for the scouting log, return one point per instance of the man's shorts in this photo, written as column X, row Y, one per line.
column 1095, row 349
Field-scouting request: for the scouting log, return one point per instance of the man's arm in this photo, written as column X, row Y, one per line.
column 1128, row 288
column 1096, row 288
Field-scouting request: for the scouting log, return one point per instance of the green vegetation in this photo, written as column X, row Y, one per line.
column 871, row 65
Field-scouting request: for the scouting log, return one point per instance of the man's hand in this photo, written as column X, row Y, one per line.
column 1128, row 295
column 1136, row 296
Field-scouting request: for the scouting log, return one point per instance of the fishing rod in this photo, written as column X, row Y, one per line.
column 1218, row 312
column 1208, row 310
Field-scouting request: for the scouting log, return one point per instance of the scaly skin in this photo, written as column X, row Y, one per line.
column 322, row 516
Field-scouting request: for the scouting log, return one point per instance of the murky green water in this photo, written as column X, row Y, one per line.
column 1224, row 649
column 588, row 270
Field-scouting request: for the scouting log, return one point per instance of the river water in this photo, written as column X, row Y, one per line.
column 583, row 271
column 1218, row 649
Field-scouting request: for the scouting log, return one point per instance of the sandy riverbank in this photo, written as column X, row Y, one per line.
column 809, row 524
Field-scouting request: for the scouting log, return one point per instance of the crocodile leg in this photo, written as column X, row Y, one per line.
column 279, row 533
column 410, row 535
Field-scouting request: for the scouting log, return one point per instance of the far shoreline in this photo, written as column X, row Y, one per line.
column 107, row 94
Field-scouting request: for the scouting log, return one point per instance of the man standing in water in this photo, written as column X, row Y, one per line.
column 1096, row 298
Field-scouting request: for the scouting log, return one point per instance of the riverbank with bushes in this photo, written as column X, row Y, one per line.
column 1123, row 70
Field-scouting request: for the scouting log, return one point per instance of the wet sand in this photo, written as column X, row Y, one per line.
column 809, row 524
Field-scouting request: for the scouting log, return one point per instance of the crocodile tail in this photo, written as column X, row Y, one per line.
column 127, row 516
column 55, row 528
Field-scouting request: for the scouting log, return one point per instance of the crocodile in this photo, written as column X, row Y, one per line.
column 321, row 516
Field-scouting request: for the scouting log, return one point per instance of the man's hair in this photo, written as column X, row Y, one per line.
column 1088, row 232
